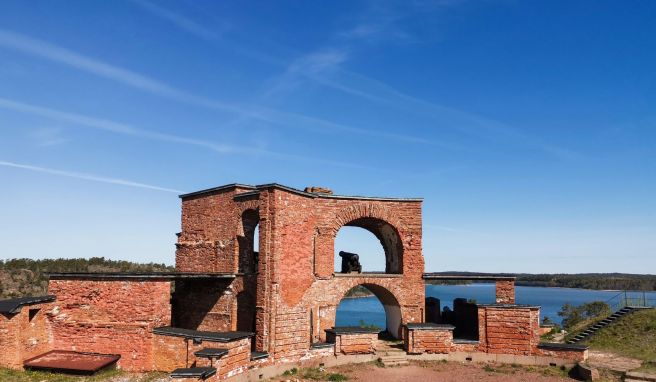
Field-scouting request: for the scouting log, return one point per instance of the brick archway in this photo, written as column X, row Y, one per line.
column 381, row 222
column 388, row 291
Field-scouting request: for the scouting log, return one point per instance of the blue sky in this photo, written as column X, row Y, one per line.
column 528, row 127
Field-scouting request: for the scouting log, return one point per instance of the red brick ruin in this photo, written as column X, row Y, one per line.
column 231, row 312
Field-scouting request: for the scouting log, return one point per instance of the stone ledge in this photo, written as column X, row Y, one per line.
column 509, row 306
column 559, row 346
column 14, row 305
column 369, row 275
column 322, row 345
column 466, row 341
column 193, row 372
column 201, row 335
column 352, row 330
column 255, row 355
column 211, row 353
column 429, row 326
column 138, row 276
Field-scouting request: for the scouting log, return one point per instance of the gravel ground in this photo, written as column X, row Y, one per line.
column 441, row 371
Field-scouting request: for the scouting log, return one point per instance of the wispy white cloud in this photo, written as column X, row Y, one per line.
column 158, row 88
column 126, row 129
column 326, row 67
column 179, row 20
column 127, row 77
column 89, row 177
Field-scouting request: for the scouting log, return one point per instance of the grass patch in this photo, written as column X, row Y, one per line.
column 633, row 336
column 580, row 327
column 102, row 376
column 315, row 374
column 292, row 371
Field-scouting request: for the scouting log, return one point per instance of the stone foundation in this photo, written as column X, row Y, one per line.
column 428, row 338
column 349, row 341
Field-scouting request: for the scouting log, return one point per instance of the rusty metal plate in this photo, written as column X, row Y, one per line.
column 71, row 361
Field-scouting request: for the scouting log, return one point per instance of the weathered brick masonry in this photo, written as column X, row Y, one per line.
column 24, row 334
column 296, row 291
column 110, row 316
column 277, row 304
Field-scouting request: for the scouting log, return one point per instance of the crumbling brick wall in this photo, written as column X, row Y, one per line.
column 354, row 343
column 171, row 352
column 509, row 329
column 505, row 291
column 110, row 316
column 24, row 334
column 429, row 340
column 296, row 294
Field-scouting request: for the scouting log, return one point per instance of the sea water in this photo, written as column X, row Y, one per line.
column 351, row 311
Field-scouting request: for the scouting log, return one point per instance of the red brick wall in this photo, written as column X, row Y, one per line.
column 171, row 352
column 237, row 360
column 505, row 292
column 210, row 226
column 203, row 305
column 434, row 341
column 572, row 355
column 296, row 263
column 292, row 333
column 22, row 338
column 357, row 343
column 113, row 317
column 9, row 340
column 293, row 238
column 509, row 330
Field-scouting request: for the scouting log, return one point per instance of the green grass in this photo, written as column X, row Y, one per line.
column 581, row 326
column 315, row 374
column 103, row 376
column 632, row 336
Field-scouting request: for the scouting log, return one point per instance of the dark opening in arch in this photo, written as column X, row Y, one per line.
column 249, row 242
column 370, row 305
column 348, row 238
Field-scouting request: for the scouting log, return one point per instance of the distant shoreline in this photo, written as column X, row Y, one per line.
column 362, row 294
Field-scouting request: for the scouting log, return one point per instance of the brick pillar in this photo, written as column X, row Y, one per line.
column 505, row 291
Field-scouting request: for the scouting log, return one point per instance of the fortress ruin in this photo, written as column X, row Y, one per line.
column 230, row 311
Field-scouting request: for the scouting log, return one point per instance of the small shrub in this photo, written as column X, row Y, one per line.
column 337, row 377
column 292, row 371
column 313, row 373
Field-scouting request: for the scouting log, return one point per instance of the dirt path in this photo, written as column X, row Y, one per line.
column 444, row 372
column 610, row 361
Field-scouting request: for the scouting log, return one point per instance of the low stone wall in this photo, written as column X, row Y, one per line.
column 24, row 334
column 353, row 341
column 172, row 351
column 509, row 329
column 428, row 338
column 576, row 353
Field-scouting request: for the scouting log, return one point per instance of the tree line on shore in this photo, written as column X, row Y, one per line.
column 27, row 277
column 598, row 281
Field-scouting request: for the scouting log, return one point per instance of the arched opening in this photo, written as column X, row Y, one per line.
column 370, row 305
column 249, row 242
column 368, row 239
column 248, row 259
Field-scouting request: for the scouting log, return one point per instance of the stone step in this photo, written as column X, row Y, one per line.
column 391, row 358
column 637, row 376
column 201, row 373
